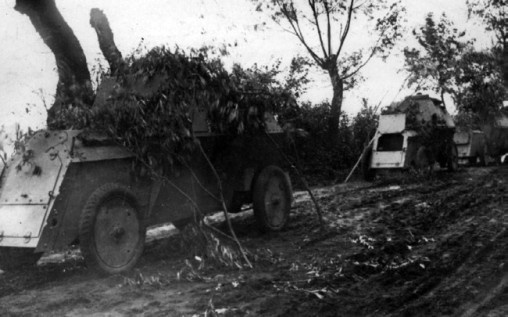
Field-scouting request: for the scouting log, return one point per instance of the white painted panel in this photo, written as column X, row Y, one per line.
column 388, row 159
column 392, row 123
column 21, row 220
column 461, row 138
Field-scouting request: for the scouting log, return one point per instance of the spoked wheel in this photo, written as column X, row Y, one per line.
column 272, row 199
column 17, row 258
column 112, row 233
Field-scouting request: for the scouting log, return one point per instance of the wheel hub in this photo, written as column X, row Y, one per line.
column 117, row 233
column 274, row 202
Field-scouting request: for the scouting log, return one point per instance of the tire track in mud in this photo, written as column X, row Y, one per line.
column 305, row 271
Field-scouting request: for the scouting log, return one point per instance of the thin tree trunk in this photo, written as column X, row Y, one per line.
column 505, row 65
column 74, row 88
column 100, row 23
column 336, row 106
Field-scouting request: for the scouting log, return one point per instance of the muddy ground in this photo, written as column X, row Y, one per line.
column 396, row 247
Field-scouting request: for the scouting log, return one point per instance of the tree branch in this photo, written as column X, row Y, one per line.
column 99, row 22
column 312, row 4
column 298, row 32
column 74, row 86
column 226, row 215
column 372, row 53
column 302, row 179
column 329, row 27
column 361, row 66
column 346, row 29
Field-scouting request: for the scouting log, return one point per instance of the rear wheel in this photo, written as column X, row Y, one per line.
column 111, row 231
column 272, row 197
column 424, row 160
column 16, row 258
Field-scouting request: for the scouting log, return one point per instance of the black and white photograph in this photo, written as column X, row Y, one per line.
column 233, row 158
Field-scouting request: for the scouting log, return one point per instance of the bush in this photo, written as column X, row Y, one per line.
column 318, row 159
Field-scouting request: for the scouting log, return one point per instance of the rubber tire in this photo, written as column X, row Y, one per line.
column 453, row 158
column 17, row 258
column 259, row 194
column 87, row 226
column 423, row 161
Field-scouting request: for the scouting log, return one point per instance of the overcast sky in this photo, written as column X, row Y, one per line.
column 28, row 72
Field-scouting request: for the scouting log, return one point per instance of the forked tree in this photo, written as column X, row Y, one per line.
column 74, row 90
column 324, row 26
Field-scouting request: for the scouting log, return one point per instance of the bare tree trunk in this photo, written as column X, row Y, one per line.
column 74, row 88
column 505, row 65
column 336, row 106
column 99, row 22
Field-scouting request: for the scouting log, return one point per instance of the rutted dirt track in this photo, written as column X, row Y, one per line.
column 434, row 247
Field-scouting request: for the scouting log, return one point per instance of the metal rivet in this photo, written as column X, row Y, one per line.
column 28, row 236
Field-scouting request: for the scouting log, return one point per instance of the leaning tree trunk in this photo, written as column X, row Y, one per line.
column 336, row 106
column 74, row 90
column 505, row 65
column 99, row 22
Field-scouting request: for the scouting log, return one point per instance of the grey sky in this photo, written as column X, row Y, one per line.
column 28, row 66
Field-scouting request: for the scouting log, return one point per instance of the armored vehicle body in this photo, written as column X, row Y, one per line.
column 78, row 187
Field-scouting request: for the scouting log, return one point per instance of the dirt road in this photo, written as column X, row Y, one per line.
column 433, row 247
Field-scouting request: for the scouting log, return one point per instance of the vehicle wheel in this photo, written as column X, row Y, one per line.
column 442, row 159
column 368, row 173
column 15, row 258
column 453, row 158
column 424, row 161
column 111, row 229
column 272, row 196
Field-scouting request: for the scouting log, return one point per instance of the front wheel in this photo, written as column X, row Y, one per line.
column 272, row 196
column 424, row 160
column 111, row 230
